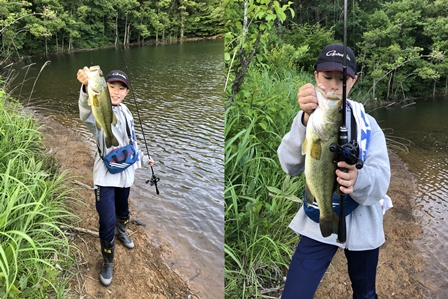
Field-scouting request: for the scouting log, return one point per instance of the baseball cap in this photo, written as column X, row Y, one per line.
column 117, row 75
column 331, row 59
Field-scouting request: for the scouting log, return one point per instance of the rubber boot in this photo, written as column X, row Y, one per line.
column 120, row 232
column 107, row 268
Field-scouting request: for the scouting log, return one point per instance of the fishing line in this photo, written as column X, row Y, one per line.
column 153, row 180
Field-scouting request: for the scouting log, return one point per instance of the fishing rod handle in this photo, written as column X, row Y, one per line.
column 342, row 226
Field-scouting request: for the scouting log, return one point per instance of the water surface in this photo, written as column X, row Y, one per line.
column 425, row 124
column 178, row 90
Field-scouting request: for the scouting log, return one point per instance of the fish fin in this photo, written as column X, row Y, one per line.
column 304, row 146
column 308, row 195
column 108, row 142
column 95, row 101
column 114, row 140
column 329, row 226
column 337, row 190
column 114, row 119
column 315, row 150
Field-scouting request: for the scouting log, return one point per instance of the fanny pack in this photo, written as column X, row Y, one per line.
column 313, row 212
column 121, row 158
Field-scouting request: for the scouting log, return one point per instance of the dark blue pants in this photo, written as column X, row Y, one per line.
column 111, row 203
column 311, row 260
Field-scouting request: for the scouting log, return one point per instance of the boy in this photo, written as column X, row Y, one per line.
column 111, row 190
column 364, row 188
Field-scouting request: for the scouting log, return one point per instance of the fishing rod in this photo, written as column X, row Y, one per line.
column 154, row 179
column 348, row 151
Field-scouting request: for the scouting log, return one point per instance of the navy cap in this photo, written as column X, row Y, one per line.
column 117, row 75
column 331, row 59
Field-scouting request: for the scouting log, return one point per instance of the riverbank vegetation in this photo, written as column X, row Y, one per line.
column 270, row 51
column 34, row 251
column 35, row 27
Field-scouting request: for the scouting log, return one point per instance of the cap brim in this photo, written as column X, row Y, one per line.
column 334, row 67
column 118, row 80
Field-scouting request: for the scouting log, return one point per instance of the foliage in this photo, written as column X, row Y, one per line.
column 33, row 250
column 34, row 27
column 257, row 18
column 400, row 45
column 260, row 200
column 311, row 37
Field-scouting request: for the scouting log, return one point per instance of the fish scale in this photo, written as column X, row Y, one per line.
column 320, row 167
column 99, row 100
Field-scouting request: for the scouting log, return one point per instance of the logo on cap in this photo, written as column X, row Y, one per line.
column 120, row 74
column 334, row 53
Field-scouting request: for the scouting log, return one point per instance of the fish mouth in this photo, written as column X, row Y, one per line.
column 96, row 91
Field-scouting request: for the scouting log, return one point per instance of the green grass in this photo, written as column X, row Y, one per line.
column 260, row 199
column 34, row 251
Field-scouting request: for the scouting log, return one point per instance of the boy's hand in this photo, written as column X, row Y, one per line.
column 82, row 77
column 151, row 161
column 307, row 99
column 346, row 180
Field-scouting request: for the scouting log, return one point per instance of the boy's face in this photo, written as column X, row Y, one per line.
column 117, row 92
column 332, row 81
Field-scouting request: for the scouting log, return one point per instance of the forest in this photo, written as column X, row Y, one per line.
column 270, row 50
column 43, row 26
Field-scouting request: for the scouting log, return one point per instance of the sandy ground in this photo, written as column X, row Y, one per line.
column 144, row 273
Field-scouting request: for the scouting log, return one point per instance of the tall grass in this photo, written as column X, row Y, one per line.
column 33, row 250
column 260, row 200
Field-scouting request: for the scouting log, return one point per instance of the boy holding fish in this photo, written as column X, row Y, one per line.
column 112, row 124
column 306, row 149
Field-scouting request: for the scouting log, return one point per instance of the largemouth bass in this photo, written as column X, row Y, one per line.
column 320, row 167
column 99, row 100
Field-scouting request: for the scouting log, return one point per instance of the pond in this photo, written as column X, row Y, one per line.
column 178, row 90
column 425, row 124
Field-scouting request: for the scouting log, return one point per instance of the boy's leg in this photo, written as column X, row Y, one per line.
column 105, row 206
column 308, row 266
column 122, row 202
column 362, row 271
column 122, row 212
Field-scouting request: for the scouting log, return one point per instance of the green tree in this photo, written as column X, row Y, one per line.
column 245, row 35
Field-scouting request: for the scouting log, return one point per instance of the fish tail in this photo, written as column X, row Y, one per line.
column 329, row 226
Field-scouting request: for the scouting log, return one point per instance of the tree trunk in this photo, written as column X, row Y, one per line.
column 244, row 62
column 116, row 29
column 57, row 44
column 125, row 38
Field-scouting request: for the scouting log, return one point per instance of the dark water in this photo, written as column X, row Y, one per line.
column 426, row 124
column 179, row 92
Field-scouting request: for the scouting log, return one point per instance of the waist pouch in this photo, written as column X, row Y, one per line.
column 120, row 159
column 312, row 211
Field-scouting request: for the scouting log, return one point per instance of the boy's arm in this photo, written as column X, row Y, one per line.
column 374, row 178
column 290, row 149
